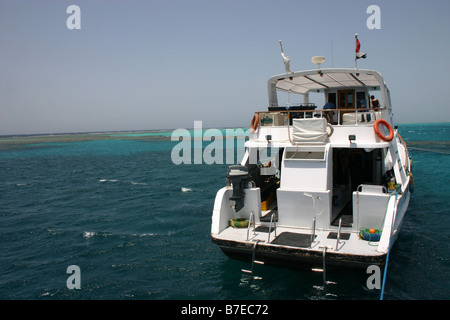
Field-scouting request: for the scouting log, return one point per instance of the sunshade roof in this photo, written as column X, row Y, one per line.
column 303, row 82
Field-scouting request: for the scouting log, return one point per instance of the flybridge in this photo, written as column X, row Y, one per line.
column 303, row 82
column 326, row 80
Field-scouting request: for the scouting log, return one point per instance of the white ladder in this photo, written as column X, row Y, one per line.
column 253, row 262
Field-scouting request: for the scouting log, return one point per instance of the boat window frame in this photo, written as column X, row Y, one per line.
column 305, row 153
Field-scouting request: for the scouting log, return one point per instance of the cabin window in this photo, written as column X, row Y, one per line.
column 361, row 101
column 332, row 98
column 346, row 99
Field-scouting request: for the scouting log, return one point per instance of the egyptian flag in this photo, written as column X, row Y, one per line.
column 359, row 55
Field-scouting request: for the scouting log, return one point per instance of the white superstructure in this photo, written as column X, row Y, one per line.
column 315, row 179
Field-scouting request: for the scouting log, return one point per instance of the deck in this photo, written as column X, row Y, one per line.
column 349, row 243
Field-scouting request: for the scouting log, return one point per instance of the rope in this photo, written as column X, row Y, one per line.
column 384, row 274
column 387, row 256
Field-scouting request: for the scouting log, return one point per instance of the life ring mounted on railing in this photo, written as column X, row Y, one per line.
column 378, row 132
column 329, row 126
column 254, row 125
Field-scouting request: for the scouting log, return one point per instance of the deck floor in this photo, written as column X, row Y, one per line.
column 350, row 242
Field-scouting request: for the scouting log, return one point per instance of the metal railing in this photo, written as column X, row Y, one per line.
column 313, row 231
column 361, row 116
column 338, row 238
column 251, row 223
column 272, row 220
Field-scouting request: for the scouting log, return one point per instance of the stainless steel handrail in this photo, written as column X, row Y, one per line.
column 251, row 219
column 270, row 227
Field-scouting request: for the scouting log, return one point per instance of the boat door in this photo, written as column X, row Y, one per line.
column 346, row 100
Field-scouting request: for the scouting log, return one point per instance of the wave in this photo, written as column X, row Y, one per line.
column 115, row 180
column 430, row 150
column 90, row 234
column 108, row 180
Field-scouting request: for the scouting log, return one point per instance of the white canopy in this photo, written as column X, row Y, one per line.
column 318, row 80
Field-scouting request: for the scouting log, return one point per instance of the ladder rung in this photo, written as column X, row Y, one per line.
column 246, row 271
column 258, row 262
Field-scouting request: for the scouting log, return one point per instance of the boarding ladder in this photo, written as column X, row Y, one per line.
column 251, row 224
column 253, row 262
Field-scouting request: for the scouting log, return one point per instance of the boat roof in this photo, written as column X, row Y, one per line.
column 303, row 82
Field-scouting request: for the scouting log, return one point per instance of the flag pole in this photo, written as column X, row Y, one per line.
column 356, row 44
column 285, row 59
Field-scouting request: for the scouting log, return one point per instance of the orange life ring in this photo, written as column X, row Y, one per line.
column 387, row 125
column 254, row 124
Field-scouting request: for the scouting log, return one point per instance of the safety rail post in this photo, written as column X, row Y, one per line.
column 252, row 219
column 339, row 234
column 313, row 231
column 324, row 275
column 270, row 227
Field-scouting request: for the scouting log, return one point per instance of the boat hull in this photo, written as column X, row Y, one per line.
column 296, row 258
column 305, row 258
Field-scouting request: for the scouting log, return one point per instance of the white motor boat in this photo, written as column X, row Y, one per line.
column 317, row 184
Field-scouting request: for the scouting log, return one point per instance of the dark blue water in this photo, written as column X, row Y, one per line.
column 113, row 205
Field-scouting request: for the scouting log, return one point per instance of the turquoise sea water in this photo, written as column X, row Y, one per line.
column 113, row 205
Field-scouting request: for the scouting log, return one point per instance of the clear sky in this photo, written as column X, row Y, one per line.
column 161, row 64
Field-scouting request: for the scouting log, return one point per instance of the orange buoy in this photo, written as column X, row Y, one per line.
column 372, row 230
column 379, row 134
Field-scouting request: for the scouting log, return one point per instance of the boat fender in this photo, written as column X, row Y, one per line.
column 379, row 134
column 254, row 124
column 373, row 235
column 239, row 223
